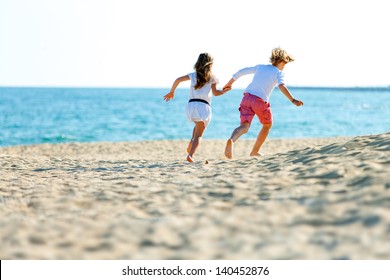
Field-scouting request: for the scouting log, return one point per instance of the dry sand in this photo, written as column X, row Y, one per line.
column 305, row 199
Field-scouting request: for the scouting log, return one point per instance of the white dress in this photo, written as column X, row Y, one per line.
column 199, row 111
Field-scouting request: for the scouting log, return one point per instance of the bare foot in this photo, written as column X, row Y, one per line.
column 190, row 159
column 229, row 149
column 256, row 155
column 189, row 147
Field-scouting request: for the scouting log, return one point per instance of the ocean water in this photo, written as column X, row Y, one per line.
column 57, row 115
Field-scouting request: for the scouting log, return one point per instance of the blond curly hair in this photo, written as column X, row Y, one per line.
column 279, row 55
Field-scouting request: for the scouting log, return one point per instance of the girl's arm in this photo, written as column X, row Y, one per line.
column 171, row 93
column 217, row 92
column 287, row 93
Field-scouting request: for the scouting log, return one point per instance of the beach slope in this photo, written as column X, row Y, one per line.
column 305, row 199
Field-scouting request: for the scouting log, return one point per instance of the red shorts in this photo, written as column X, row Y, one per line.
column 252, row 105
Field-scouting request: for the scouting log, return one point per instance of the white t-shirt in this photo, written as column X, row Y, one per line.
column 203, row 92
column 264, row 81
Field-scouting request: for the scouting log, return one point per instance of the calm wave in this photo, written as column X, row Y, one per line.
column 55, row 115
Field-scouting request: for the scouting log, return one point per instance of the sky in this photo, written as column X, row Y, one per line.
column 149, row 43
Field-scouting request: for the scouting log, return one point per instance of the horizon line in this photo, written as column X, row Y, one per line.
column 165, row 88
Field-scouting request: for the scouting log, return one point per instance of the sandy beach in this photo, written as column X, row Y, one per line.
column 305, row 199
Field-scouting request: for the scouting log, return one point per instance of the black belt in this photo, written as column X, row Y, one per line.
column 199, row 100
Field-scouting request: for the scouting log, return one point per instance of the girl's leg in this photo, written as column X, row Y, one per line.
column 260, row 139
column 197, row 136
column 237, row 133
column 190, row 143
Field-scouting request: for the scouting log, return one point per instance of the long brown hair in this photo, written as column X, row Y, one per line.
column 203, row 69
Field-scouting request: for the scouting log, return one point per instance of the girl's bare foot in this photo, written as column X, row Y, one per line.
column 189, row 147
column 256, row 155
column 190, row 159
column 229, row 149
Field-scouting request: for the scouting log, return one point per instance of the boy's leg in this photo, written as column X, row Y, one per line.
column 237, row 133
column 198, row 133
column 246, row 116
column 260, row 139
column 264, row 113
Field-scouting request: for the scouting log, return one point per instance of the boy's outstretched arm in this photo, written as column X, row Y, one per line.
column 217, row 92
column 287, row 93
column 240, row 73
column 171, row 93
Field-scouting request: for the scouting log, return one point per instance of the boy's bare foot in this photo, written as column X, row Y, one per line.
column 256, row 155
column 189, row 147
column 229, row 149
column 190, row 159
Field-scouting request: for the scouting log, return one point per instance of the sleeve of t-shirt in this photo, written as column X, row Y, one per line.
column 192, row 77
column 280, row 78
column 214, row 80
column 244, row 71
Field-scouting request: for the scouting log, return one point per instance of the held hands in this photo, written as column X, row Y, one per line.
column 169, row 96
column 226, row 88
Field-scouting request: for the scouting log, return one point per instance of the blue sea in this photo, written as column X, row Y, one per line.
column 58, row 115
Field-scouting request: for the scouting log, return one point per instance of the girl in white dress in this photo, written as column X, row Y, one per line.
column 198, row 109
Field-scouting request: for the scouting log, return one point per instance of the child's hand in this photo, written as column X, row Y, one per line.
column 169, row 96
column 227, row 87
column 297, row 102
column 229, row 84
